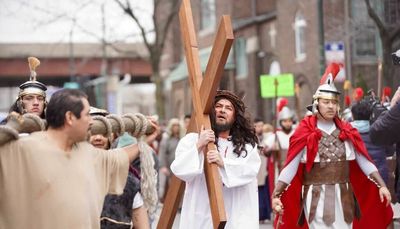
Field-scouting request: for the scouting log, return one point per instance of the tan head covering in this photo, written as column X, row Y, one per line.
column 102, row 126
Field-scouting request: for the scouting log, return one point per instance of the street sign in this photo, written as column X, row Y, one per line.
column 285, row 85
column 334, row 53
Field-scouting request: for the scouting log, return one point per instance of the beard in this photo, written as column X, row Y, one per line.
column 286, row 130
column 221, row 127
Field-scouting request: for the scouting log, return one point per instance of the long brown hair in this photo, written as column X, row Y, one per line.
column 242, row 131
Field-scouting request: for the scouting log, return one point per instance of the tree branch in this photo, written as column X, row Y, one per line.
column 128, row 10
column 173, row 12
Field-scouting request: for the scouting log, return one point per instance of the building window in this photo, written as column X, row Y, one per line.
column 392, row 12
column 241, row 58
column 207, row 14
column 299, row 33
column 366, row 36
column 365, row 43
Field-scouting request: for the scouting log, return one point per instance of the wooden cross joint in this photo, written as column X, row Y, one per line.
column 203, row 94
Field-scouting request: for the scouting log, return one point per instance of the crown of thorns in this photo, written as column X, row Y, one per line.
column 234, row 99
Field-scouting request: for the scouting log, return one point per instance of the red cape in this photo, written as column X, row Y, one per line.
column 374, row 213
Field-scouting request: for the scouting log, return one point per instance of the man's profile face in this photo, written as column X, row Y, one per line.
column 258, row 126
column 224, row 114
column 81, row 125
column 186, row 122
column 33, row 104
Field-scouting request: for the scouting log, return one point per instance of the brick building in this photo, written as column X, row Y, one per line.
column 283, row 35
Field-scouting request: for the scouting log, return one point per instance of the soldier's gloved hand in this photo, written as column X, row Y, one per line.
column 205, row 137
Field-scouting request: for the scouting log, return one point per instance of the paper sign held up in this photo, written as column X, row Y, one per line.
column 284, row 82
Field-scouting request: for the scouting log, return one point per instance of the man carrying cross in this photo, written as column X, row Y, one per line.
column 238, row 164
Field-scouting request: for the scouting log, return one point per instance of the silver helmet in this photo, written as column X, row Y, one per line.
column 285, row 113
column 327, row 89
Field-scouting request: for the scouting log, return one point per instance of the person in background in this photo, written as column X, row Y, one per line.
column 32, row 94
column 277, row 144
column 386, row 131
column 119, row 211
column 174, row 132
column 361, row 113
column 264, row 203
column 186, row 121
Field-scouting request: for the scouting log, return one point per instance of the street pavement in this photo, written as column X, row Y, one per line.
column 267, row 225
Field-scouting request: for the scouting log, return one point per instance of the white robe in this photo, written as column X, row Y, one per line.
column 239, row 185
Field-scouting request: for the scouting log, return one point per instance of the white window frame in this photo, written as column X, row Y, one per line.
column 300, row 25
column 242, row 68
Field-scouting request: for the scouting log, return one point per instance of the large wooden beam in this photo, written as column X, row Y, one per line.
column 203, row 93
column 213, row 180
column 171, row 203
column 215, row 67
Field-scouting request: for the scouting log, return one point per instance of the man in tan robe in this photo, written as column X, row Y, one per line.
column 55, row 179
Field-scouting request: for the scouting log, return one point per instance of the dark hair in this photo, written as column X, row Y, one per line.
column 361, row 110
column 187, row 116
column 17, row 107
column 258, row 119
column 242, row 130
column 62, row 101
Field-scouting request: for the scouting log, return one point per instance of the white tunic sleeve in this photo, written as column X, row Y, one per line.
column 240, row 171
column 366, row 166
column 290, row 170
column 188, row 162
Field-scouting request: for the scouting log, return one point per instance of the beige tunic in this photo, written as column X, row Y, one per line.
column 42, row 187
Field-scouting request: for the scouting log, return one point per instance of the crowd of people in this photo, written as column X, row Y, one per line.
column 92, row 169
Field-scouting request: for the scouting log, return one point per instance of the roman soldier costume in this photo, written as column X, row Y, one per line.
column 280, row 139
column 329, row 187
column 31, row 87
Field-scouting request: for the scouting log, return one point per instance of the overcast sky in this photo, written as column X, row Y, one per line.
column 26, row 21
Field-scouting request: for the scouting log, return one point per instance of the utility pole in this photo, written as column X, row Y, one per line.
column 321, row 37
column 71, row 53
column 347, row 41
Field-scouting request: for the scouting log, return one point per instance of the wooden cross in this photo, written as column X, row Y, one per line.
column 203, row 94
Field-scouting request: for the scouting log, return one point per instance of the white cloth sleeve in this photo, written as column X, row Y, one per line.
column 290, row 170
column 366, row 166
column 137, row 201
column 241, row 171
column 188, row 162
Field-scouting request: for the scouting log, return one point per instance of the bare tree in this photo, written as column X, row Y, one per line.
column 389, row 34
column 164, row 12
